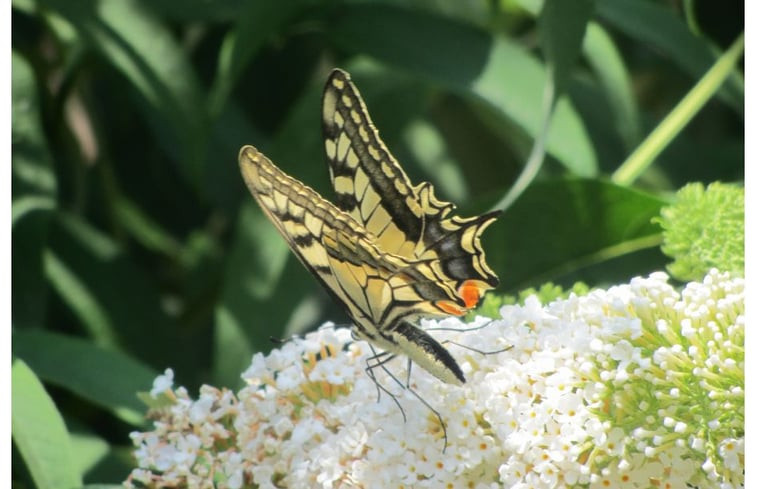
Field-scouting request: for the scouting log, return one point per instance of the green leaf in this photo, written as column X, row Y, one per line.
column 34, row 191
column 257, row 22
column 131, row 38
column 562, row 27
column 198, row 10
column 114, row 293
column 144, row 229
column 233, row 348
column 256, row 301
column 106, row 461
column 82, row 300
column 429, row 150
column 558, row 227
column 655, row 25
column 259, row 253
column 677, row 119
column 106, row 378
column 231, row 130
column 615, row 80
column 39, row 432
column 112, row 469
column 31, row 163
column 492, row 69
column 88, row 450
column 26, row 207
column 30, row 233
column 26, row 6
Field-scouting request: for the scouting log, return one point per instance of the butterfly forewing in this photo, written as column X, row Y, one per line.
column 405, row 219
column 380, row 291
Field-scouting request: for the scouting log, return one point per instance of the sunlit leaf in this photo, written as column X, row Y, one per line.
column 105, row 378
column 606, row 61
column 88, row 449
column 39, row 432
column 494, row 69
column 560, row 226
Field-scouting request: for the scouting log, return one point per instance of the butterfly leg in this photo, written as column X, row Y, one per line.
column 380, row 360
column 476, row 350
column 461, row 330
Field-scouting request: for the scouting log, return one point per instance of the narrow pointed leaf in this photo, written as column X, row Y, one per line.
column 39, row 432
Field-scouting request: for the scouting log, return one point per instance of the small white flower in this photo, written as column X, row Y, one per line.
column 162, row 383
column 732, row 452
column 200, row 410
column 290, row 378
column 333, row 371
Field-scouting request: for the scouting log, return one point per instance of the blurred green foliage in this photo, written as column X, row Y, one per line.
column 704, row 228
column 136, row 248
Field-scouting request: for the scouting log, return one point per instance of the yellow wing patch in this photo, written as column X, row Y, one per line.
column 406, row 219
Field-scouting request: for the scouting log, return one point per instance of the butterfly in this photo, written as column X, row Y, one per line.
column 389, row 251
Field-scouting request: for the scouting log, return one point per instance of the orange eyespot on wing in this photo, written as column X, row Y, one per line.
column 450, row 308
column 471, row 291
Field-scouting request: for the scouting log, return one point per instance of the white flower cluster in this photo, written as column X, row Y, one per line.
column 637, row 386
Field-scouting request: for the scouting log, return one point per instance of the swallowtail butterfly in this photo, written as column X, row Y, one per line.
column 389, row 251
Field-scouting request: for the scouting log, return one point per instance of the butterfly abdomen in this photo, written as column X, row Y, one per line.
column 424, row 350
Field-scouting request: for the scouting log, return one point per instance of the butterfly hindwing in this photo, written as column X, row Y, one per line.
column 406, row 219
